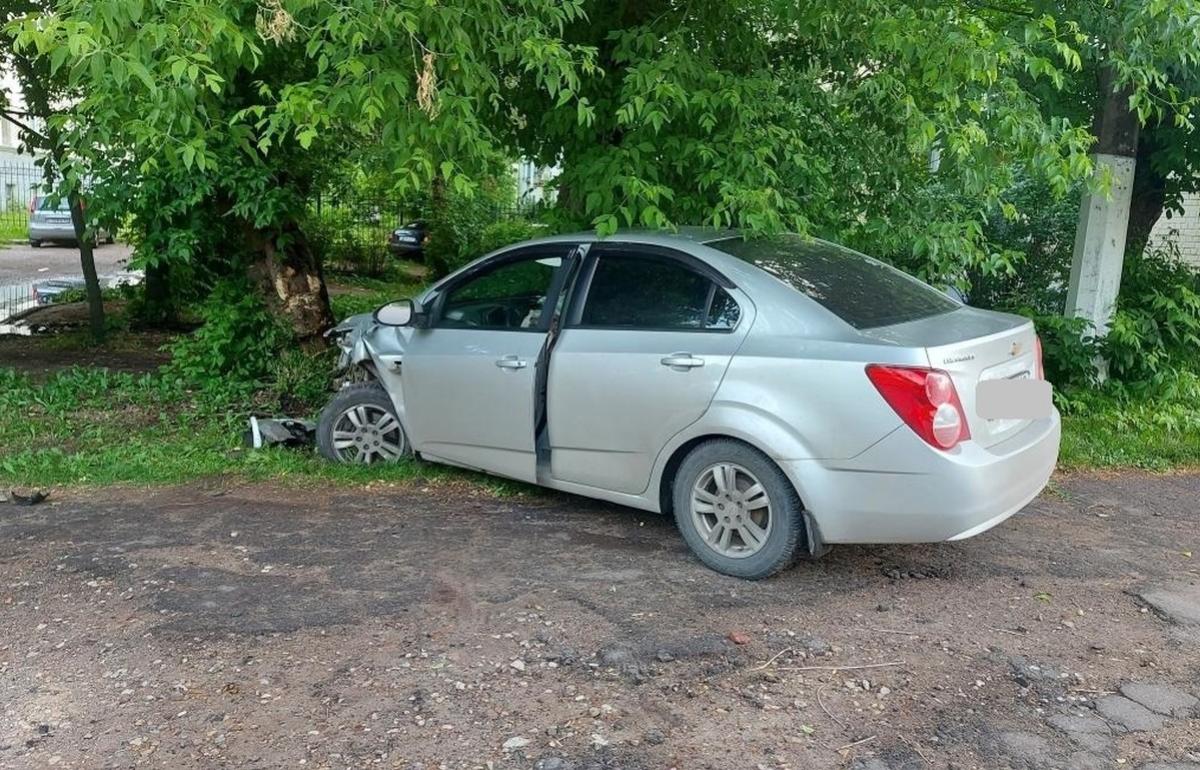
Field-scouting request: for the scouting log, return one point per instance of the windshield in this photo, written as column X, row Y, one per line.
column 45, row 204
column 862, row 291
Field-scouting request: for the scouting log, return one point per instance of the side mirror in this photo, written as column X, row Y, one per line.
column 402, row 312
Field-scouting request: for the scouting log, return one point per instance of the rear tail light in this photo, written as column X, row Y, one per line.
column 1040, row 370
column 925, row 399
column 33, row 204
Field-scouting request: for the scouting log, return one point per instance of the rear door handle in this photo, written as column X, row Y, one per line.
column 511, row 362
column 682, row 361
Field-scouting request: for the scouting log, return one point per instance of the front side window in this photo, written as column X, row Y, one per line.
column 649, row 292
column 863, row 292
column 511, row 295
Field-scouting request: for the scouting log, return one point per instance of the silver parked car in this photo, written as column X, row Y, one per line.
column 50, row 221
column 774, row 395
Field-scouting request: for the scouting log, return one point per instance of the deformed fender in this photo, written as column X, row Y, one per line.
column 380, row 349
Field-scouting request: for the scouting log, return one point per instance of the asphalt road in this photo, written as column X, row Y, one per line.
column 437, row 626
column 21, row 263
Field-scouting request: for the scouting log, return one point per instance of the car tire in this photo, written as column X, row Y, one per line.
column 36, row 244
column 746, row 553
column 359, row 424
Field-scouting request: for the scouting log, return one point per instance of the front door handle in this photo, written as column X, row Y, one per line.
column 511, row 362
column 682, row 361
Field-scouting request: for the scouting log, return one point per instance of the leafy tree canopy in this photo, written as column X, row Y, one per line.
column 212, row 120
column 896, row 126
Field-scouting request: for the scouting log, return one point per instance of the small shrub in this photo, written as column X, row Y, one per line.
column 235, row 349
column 1069, row 351
column 301, row 380
column 458, row 226
column 505, row 232
column 347, row 241
column 124, row 291
column 1156, row 326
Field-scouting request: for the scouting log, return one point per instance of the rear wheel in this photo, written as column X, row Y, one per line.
column 737, row 510
column 35, row 244
column 359, row 425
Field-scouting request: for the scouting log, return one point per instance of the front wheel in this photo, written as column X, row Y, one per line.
column 737, row 510
column 359, row 425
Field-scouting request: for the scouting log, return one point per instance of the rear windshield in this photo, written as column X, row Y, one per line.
column 45, row 204
column 863, row 292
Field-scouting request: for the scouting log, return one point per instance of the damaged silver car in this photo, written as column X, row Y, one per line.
column 774, row 395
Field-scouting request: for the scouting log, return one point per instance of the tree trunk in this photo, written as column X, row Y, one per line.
column 87, row 259
column 293, row 283
column 158, row 307
column 1149, row 196
column 37, row 97
column 1100, row 236
column 442, row 242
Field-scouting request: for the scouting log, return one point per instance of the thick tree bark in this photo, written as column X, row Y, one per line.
column 1149, row 196
column 293, row 283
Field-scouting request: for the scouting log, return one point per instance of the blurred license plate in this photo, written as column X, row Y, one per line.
column 59, row 220
column 406, row 238
column 1015, row 398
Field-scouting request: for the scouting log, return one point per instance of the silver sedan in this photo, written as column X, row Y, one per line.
column 774, row 395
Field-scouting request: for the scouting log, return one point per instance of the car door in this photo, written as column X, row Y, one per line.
column 469, row 377
column 644, row 348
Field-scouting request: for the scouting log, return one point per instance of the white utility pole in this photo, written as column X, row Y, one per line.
column 1104, row 218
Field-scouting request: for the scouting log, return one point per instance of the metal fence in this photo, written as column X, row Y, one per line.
column 19, row 185
column 351, row 231
column 13, row 299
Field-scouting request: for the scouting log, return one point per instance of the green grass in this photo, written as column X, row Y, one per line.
column 92, row 427
column 14, row 226
column 89, row 427
column 1155, row 428
column 351, row 294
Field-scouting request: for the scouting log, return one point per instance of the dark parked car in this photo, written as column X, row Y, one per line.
column 409, row 241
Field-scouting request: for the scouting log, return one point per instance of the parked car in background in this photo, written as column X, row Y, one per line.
column 409, row 241
column 774, row 395
column 49, row 291
column 51, row 222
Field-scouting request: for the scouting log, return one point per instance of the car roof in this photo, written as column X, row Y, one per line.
column 690, row 234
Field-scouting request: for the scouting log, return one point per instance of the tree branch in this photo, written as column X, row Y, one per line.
column 12, row 118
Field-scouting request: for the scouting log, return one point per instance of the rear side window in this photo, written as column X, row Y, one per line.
column 863, row 292
column 648, row 292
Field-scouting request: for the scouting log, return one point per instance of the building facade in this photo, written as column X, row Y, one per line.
column 1182, row 230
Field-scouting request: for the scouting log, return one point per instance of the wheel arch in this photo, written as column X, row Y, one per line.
column 670, row 467
column 757, row 431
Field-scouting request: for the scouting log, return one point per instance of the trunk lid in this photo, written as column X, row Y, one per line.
column 973, row 345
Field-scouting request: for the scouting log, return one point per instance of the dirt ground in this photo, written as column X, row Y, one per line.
column 41, row 356
column 439, row 627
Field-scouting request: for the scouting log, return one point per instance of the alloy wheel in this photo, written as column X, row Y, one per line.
column 366, row 433
column 731, row 510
